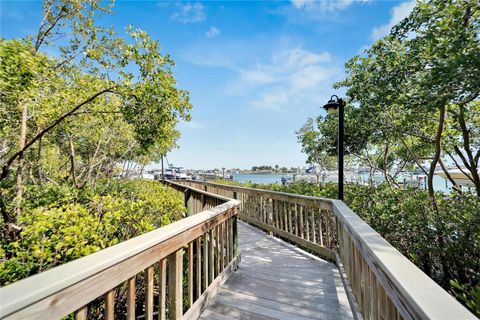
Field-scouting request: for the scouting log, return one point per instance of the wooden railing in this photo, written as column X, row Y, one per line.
column 143, row 276
column 380, row 281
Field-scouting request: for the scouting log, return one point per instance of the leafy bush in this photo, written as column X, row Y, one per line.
column 60, row 224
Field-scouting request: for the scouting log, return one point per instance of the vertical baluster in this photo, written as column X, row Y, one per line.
column 205, row 261
column 307, row 223
column 162, row 287
column 218, row 251
column 131, row 298
column 231, row 239
column 274, row 212
column 314, row 227
column 301, row 221
column 235, row 234
column 175, row 285
column 211, row 256
column 327, row 229
column 149, row 293
column 270, row 214
column 382, row 303
column 280, row 214
column 277, row 214
column 229, row 235
column 190, row 274
column 227, row 253
column 295, row 208
column 82, row 313
column 222, row 246
column 199, row 266
column 289, row 208
column 262, row 209
column 320, row 231
column 373, row 295
column 110, row 305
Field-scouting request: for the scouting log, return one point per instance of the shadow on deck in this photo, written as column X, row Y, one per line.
column 277, row 280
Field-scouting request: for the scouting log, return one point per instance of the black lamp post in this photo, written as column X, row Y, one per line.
column 332, row 106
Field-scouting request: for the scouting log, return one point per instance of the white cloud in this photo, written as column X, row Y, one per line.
column 192, row 124
column 293, row 78
column 212, row 32
column 399, row 13
column 255, row 76
column 189, row 13
column 324, row 5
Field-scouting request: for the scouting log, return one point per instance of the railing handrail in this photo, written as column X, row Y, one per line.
column 325, row 201
column 415, row 295
column 34, row 289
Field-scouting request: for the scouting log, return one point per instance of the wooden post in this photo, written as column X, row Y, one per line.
column 162, row 287
column 175, row 285
column 110, row 305
column 211, row 256
column 199, row 266
column 205, row 261
column 314, row 236
column 307, row 224
column 190, row 274
column 289, row 208
column 131, row 298
column 218, row 252
column 230, row 239
column 320, row 229
column 296, row 219
column 270, row 215
column 149, row 293
column 82, row 313
column 189, row 202
column 301, row 222
column 235, row 235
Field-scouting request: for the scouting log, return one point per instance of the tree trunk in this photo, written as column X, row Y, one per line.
column 472, row 162
column 449, row 177
column 73, row 168
column 438, row 150
column 39, row 159
column 21, row 161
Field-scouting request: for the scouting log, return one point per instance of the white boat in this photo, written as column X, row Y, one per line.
column 458, row 176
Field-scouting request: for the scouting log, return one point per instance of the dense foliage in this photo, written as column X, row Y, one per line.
column 61, row 223
column 79, row 104
column 100, row 101
column 412, row 97
column 406, row 219
column 413, row 103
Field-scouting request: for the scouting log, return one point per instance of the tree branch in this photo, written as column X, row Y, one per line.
column 8, row 164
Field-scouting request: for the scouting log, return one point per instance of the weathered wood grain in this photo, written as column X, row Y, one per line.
column 259, row 290
column 175, row 285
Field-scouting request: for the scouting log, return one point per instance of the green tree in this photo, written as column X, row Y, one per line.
column 315, row 146
column 105, row 99
column 415, row 86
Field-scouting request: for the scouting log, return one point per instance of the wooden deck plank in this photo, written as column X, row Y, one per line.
column 322, row 301
column 233, row 312
column 211, row 315
column 278, row 281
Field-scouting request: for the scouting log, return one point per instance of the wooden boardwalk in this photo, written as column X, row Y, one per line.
column 278, row 281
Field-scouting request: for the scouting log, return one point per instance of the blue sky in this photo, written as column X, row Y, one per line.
column 255, row 70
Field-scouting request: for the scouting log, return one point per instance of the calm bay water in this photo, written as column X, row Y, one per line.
column 258, row 178
column 439, row 183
